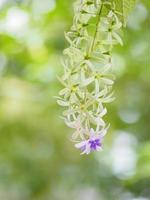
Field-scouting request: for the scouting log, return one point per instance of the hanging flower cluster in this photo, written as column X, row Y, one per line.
column 87, row 77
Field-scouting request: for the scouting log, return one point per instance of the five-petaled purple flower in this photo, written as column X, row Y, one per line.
column 94, row 143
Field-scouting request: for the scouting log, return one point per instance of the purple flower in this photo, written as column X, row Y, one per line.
column 94, row 143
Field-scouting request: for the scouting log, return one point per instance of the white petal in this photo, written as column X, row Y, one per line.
column 100, row 121
column 68, row 39
column 110, row 38
column 73, row 98
column 63, row 91
column 82, row 74
column 63, row 103
column 96, row 86
column 91, row 66
column 92, row 133
column 99, row 149
column 88, row 81
column 118, row 38
column 75, row 135
column 87, row 150
column 108, row 100
column 107, row 81
column 81, row 144
column 104, row 111
column 102, row 93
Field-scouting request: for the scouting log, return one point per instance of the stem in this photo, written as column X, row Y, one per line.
column 97, row 25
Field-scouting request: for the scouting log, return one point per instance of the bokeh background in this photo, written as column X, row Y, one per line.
column 37, row 160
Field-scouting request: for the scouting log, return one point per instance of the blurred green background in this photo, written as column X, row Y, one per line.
column 37, row 159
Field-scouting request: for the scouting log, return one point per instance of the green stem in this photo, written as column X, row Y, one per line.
column 97, row 26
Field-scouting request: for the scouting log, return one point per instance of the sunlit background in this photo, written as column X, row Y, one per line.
column 37, row 160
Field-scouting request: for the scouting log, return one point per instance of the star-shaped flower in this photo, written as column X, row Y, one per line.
column 94, row 143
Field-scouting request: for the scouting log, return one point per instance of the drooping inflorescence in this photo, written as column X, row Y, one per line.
column 87, row 77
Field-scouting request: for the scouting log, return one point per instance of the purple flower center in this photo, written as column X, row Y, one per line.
column 94, row 144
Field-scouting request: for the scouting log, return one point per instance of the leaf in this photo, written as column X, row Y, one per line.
column 124, row 7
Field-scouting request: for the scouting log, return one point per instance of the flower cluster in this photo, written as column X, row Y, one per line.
column 87, row 77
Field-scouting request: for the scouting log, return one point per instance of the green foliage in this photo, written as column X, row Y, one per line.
column 124, row 7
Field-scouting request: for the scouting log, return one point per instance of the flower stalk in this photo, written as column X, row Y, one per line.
column 88, row 77
column 98, row 21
